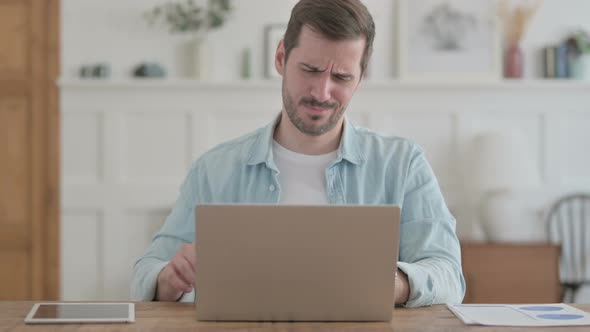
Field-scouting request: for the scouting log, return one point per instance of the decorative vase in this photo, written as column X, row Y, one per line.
column 514, row 62
column 246, row 71
column 509, row 216
column 199, row 55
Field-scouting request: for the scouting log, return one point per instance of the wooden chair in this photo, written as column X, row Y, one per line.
column 568, row 224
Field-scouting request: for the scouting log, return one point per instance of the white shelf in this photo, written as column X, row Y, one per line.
column 273, row 84
column 500, row 84
column 165, row 83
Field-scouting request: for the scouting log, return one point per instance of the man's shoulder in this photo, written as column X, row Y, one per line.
column 386, row 143
column 234, row 150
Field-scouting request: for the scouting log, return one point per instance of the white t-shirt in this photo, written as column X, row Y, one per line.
column 302, row 177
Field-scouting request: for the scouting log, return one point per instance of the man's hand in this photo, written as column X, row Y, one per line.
column 178, row 276
column 402, row 287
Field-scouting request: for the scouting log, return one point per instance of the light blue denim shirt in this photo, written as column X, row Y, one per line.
column 369, row 169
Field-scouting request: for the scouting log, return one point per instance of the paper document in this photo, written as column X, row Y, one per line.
column 558, row 314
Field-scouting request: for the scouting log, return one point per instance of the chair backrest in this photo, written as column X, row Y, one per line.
column 568, row 224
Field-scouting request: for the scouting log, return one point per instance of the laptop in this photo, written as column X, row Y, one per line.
column 296, row 263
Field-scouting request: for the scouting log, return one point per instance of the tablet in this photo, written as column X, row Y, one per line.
column 59, row 313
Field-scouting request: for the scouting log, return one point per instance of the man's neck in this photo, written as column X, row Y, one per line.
column 288, row 136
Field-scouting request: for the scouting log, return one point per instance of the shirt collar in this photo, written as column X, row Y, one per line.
column 349, row 149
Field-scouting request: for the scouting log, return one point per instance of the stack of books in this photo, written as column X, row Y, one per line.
column 556, row 61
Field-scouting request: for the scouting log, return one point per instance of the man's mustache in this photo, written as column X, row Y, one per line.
column 312, row 102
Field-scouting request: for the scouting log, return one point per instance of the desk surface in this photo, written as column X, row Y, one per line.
column 157, row 316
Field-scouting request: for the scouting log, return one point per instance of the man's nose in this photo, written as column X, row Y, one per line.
column 321, row 88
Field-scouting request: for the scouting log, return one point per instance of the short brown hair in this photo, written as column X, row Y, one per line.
column 334, row 19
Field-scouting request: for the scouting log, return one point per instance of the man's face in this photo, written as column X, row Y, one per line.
column 319, row 79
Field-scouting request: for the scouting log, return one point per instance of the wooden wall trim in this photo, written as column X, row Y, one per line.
column 37, row 116
column 45, row 152
column 52, row 283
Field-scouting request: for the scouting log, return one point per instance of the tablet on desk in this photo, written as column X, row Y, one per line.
column 59, row 313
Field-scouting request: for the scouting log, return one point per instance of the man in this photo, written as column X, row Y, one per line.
column 312, row 155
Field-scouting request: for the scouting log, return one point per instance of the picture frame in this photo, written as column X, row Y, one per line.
column 449, row 40
column 273, row 33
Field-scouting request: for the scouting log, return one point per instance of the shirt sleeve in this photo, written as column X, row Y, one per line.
column 178, row 229
column 429, row 252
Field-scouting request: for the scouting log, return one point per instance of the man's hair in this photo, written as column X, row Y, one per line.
column 333, row 19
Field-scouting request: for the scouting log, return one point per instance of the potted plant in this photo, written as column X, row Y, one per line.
column 195, row 19
column 579, row 48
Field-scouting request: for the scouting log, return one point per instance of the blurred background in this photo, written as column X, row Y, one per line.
column 104, row 105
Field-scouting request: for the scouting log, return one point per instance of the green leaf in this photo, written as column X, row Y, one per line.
column 215, row 20
column 225, row 5
column 187, row 15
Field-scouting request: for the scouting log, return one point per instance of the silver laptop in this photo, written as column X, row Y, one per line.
column 296, row 263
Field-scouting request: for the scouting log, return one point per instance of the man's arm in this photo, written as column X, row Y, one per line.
column 429, row 252
column 178, row 229
column 148, row 267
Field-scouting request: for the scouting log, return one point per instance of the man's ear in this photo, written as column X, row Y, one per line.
column 280, row 58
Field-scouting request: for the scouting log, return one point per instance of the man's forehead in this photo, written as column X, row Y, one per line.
column 320, row 52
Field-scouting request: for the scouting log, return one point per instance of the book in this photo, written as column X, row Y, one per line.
column 549, row 61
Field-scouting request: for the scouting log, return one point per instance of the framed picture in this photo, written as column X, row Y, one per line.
column 449, row 40
column 273, row 34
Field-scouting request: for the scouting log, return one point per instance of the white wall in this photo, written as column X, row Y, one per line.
column 127, row 145
column 114, row 31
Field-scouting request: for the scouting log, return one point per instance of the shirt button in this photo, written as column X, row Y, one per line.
column 271, row 187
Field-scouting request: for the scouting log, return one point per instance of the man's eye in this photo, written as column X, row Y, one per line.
column 343, row 78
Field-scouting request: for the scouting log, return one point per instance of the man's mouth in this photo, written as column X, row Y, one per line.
column 315, row 110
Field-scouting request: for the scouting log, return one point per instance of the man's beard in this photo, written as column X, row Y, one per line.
column 298, row 121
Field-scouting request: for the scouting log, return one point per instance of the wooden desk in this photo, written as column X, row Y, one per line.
column 158, row 316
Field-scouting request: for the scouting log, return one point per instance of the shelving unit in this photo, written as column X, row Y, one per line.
column 393, row 84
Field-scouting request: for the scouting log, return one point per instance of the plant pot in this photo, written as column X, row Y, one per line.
column 580, row 67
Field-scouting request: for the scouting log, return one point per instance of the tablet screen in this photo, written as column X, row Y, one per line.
column 82, row 311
